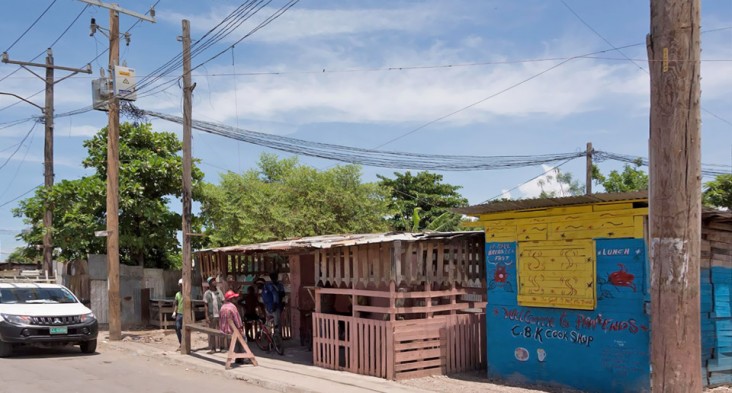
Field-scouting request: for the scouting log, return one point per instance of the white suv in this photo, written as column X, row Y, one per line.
column 44, row 314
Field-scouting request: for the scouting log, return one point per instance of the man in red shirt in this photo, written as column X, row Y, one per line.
column 229, row 312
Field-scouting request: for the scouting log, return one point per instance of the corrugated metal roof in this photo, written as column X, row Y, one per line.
column 328, row 241
column 544, row 203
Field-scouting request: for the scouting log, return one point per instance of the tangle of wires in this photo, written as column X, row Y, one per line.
column 706, row 170
column 369, row 157
column 244, row 12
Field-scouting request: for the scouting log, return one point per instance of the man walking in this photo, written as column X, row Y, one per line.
column 178, row 312
column 213, row 300
column 229, row 312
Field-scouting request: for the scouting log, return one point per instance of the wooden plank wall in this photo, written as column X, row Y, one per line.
column 215, row 263
column 442, row 262
column 419, row 348
column 716, row 302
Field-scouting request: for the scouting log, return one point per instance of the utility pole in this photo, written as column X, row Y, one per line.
column 48, row 143
column 115, row 323
column 675, row 195
column 588, row 173
column 187, row 185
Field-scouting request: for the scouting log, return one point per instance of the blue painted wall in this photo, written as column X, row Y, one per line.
column 604, row 350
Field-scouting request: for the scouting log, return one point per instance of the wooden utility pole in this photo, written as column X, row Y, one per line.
column 187, row 185
column 675, row 195
column 48, row 144
column 114, row 311
column 115, row 307
column 588, row 173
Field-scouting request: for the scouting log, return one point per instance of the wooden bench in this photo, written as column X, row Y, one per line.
column 234, row 337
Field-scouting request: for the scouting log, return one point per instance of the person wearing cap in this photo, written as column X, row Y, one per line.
column 178, row 312
column 229, row 312
column 213, row 299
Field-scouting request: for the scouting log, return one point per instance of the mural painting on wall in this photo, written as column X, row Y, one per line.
column 500, row 257
column 605, row 349
column 623, row 275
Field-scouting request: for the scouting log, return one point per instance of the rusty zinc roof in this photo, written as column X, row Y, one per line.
column 544, row 203
column 329, row 241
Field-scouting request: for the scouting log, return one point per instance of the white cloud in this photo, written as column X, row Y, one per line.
column 300, row 23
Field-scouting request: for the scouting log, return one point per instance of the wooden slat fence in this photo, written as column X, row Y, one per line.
column 399, row 349
column 332, row 342
column 371, row 343
column 466, row 343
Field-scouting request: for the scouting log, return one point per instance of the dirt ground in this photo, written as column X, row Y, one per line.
column 474, row 382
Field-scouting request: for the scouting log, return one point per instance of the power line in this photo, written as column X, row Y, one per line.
column 628, row 58
column 18, row 148
column 370, row 157
column 31, row 26
column 20, row 196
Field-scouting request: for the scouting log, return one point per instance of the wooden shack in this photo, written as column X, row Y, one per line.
column 394, row 305
column 568, row 292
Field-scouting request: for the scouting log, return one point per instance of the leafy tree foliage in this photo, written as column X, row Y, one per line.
column 22, row 255
column 150, row 174
column 422, row 202
column 718, row 192
column 630, row 179
column 282, row 198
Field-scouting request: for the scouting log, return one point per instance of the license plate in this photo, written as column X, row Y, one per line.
column 59, row 330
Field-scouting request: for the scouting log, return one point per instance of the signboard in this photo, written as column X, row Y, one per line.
column 124, row 83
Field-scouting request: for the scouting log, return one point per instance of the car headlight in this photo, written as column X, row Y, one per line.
column 87, row 317
column 16, row 319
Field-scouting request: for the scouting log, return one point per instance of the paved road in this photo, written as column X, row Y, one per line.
column 66, row 370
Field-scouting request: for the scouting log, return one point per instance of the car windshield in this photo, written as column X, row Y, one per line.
column 36, row 295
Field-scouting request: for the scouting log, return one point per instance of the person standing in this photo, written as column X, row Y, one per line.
column 213, row 300
column 229, row 312
column 178, row 312
column 272, row 296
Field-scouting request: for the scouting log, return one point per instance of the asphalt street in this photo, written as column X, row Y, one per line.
column 67, row 370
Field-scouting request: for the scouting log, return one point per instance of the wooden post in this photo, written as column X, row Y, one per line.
column 48, row 167
column 675, row 195
column 187, row 185
column 115, row 325
column 588, row 173
column 392, row 301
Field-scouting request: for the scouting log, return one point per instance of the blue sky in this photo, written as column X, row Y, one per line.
column 602, row 99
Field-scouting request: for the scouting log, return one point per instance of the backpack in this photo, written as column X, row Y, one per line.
column 271, row 297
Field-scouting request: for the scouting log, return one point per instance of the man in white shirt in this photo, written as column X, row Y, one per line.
column 213, row 299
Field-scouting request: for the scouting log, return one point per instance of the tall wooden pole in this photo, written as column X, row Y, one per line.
column 48, row 167
column 115, row 324
column 588, row 170
column 187, row 185
column 675, row 195
column 47, row 110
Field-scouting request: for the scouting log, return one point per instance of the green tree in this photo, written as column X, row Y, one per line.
column 630, row 179
column 718, row 192
column 150, row 175
column 422, row 201
column 282, row 198
column 22, row 255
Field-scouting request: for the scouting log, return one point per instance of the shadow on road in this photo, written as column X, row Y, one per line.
column 33, row 352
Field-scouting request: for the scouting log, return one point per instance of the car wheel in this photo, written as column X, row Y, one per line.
column 5, row 349
column 88, row 346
